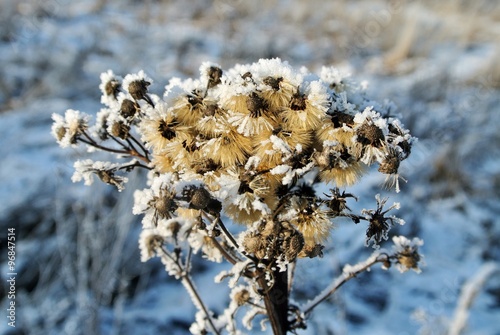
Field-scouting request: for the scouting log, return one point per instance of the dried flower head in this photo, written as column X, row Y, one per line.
column 380, row 224
column 110, row 87
column 407, row 255
column 149, row 243
column 128, row 108
column 69, row 128
column 214, row 76
column 86, row 169
column 337, row 202
column 310, row 218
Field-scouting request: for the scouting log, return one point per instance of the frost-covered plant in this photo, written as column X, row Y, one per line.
column 236, row 160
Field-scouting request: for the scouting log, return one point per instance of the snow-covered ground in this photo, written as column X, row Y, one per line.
column 77, row 258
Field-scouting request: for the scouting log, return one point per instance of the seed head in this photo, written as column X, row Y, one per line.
column 339, row 119
column 166, row 130
column 112, row 88
column 241, row 297
column 256, row 105
column 128, row 108
column 294, row 245
column 298, row 102
column 370, row 134
column 273, row 82
column 138, row 89
column 200, row 198
column 60, row 133
column 390, row 164
column 214, row 75
column 120, row 130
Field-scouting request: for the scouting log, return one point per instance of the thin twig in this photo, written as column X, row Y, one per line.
column 291, row 273
column 144, row 150
column 94, row 144
column 126, row 151
column 189, row 285
column 342, row 279
column 187, row 265
column 223, row 251
column 226, row 232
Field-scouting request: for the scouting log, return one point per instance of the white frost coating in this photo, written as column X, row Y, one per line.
column 145, row 244
column 280, row 169
column 352, row 269
column 468, row 293
column 279, row 144
column 249, row 316
column 229, row 184
column 86, row 169
column 252, row 162
column 318, row 95
column 73, row 122
column 370, row 116
column 332, row 75
column 106, row 77
column 236, row 272
column 401, row 243
column 220, row 277
column 260, row 206
column 198, row 327
column 275, row 67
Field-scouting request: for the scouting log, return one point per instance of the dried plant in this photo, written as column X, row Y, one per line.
column 235, row 161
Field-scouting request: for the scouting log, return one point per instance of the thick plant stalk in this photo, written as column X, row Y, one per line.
column 276, row 302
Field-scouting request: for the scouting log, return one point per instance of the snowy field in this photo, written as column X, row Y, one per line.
column 77, row 259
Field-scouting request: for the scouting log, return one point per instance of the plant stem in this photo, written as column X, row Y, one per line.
column 342, row 279
column 188, row 284
column 276, row 302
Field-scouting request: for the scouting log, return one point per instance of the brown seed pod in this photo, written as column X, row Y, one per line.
column 112, row 88
column 409, row 259
column 60, row 133
column 120, row 130
column 294, row 246
column 138, row 89
column 242, row 297
column 200, row 198
column 256, row 105
column 273, row 82
column 390, row 165
column 370, row 134
column 298, row 102
column 166, row 130
column 128, row 108
column 214, row 75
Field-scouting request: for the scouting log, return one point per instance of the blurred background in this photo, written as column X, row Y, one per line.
column 79, row 270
